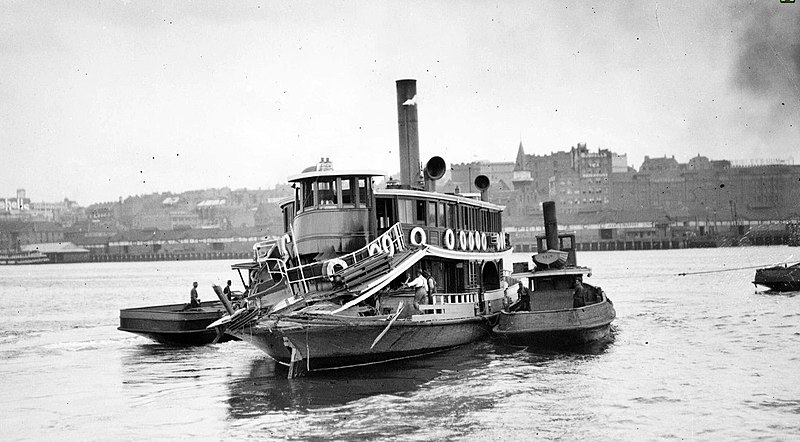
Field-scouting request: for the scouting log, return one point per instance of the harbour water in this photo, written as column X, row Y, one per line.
column 704, row 356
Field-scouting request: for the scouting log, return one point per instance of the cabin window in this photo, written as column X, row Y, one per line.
column 464, row 221
column 348, row 191
column 420, row 219
column 451, row 216
column 405, row 210
column 308, row 196
column 297, row 206
column 442, row 216
column 384, row 213
column 326, row 192
column 432, row 214
column 566, row 243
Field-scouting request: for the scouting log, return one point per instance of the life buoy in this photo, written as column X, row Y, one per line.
column 471, row 240
column 374, row 249
column 449, row 239
column 418, row 232
column 330, row 266
column 462, row 240
column 388, row 245
column 484, row 242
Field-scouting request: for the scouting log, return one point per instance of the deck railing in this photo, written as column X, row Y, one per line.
column 391, row 241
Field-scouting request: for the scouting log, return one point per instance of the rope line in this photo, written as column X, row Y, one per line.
column 738, row 268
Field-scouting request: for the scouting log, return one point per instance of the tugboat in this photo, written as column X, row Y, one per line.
column 781, row 278
column 557, row 308
column 371, row 276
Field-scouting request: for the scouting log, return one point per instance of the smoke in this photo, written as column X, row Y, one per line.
column 768, row 62
column 766, row 72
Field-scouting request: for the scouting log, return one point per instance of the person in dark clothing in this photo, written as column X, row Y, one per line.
column 431, row 286
column 194, row 301
column 581, row 295
column 523, row 299
column 227, row 290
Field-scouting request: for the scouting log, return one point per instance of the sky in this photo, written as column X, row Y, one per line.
column 101, row 100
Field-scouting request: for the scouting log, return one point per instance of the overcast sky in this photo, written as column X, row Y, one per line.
column 115, row 98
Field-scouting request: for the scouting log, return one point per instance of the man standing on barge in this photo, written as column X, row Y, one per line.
column 194, row 301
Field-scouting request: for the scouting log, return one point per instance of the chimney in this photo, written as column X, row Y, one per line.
column 550, row 225
column 409, row 135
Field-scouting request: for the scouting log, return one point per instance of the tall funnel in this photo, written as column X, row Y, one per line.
column 409, row 133
column 550, row 225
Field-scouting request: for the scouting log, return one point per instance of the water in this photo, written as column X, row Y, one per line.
column 696, row 357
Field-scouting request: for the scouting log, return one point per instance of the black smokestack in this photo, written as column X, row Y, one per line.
column 550, row 225
column 409, row 133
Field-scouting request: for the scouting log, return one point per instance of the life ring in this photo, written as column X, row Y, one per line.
column 484, row 242
column 449, row 239
column 462, row 240
column 471, row 240
column 388, row 245
column 374, row 249
column 330, row 266
column 418, row 232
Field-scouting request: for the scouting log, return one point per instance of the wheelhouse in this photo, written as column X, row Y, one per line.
column 332, row 212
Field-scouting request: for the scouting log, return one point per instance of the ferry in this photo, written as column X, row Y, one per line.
column 22, row 257
column 343, row 286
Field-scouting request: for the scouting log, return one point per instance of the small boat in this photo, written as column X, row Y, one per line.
column 23, row 257
column 173, row 323
column 335, row 290
column 561, row 310
column 781, row 278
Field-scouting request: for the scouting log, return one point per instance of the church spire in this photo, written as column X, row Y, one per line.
column 520, row 158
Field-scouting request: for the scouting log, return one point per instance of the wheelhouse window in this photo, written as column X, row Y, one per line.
column 432, row 214
column 326, row 192
column 308, row 196
column 348, row 191
column 363, row 184
column 441, row 216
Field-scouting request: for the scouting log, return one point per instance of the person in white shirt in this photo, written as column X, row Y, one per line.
column 421, row 292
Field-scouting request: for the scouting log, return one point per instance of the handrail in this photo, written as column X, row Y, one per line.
column 394, row 233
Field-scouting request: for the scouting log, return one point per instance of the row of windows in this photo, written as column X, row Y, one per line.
column 437, row 214
column 332, row 192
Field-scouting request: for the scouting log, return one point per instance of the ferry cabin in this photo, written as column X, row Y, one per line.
column 335, row 213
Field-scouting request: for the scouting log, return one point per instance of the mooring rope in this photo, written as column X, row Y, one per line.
column 737, row 268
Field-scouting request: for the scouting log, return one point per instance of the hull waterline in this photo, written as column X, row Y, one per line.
column 330, row 344
column 557, row 328
column 170, row 324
